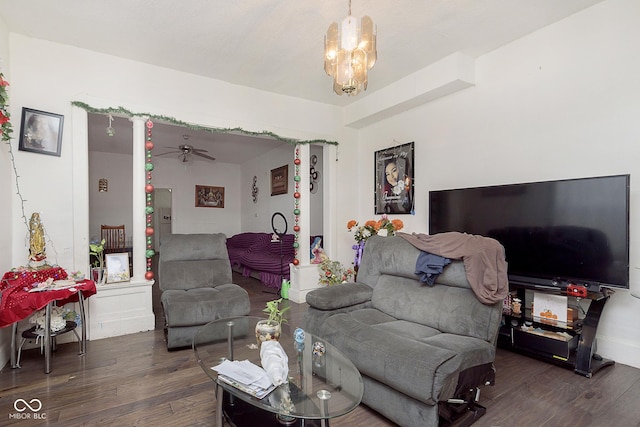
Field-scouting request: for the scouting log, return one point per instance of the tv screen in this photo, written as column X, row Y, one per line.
column 555, row 232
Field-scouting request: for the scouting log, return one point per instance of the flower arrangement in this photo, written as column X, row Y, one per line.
column 332, row 272
column 384, row 226
column 5, row 123
column 59, row 318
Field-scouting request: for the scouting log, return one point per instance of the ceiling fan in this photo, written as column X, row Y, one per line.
column 184, row 151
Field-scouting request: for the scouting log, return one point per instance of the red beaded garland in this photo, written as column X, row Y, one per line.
column 296, row 261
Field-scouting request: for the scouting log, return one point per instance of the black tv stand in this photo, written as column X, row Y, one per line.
column 571, row 344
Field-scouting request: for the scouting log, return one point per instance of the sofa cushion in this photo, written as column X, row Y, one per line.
column 405, row 364
column 194, row 274
column 202, row 305
column 340, row 295
column 448, row 309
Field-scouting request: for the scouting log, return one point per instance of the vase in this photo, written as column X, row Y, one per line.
column 97, row 274
column 359, row 248
column 267, row 330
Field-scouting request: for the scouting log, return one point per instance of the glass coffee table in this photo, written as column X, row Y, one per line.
column 323, row 383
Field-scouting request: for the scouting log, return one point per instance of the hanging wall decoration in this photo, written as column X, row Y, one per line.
column 149, row 208
column 296, row 210
column 314, row 174
column 254, row 189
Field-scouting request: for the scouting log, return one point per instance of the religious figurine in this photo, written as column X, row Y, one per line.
column 37, row 253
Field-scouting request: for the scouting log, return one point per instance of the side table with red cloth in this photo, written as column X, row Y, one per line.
column 17, row 303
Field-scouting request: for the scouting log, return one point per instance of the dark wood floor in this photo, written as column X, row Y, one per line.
column 133, row 380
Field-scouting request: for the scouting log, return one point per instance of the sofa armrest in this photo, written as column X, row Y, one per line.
column 339, row 296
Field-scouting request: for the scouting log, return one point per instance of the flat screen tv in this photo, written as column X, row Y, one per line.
column 573, row 231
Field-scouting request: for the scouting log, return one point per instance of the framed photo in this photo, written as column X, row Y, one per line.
column 208, row 196
column 41, row 132
column 280, row 180
column 117, row 267
column 394, row 180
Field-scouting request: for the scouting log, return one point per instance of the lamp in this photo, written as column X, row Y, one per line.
column 110, row 130
column 349, row 53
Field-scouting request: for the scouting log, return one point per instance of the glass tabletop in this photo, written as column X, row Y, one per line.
column 322, row 383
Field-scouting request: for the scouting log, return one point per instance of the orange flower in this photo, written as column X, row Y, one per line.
column 397, row 224
column 373, row 224
column 351, row 224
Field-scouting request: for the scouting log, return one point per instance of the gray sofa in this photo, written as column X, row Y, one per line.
column 196, row 284
column 422, row 350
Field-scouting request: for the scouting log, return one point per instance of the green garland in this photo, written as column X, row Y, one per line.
column 172, row 120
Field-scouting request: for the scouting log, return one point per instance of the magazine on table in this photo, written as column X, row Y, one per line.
column 245, row 376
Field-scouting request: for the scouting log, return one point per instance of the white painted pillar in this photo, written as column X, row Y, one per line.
column 139, row 199
column 305, row 205
column 304, row 276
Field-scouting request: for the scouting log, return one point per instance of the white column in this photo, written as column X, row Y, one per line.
column 304, row 276
column 139, row 199
column 305, row 205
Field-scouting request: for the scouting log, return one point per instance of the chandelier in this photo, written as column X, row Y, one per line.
column 349, row 53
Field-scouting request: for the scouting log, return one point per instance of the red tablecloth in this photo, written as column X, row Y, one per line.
column 18, row 303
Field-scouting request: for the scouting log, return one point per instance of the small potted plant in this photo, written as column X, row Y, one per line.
column 97, row 250
column 270, row 328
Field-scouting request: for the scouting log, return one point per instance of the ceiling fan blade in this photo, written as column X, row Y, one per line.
column 203, row 155
column 201, row 150
column 168, row 152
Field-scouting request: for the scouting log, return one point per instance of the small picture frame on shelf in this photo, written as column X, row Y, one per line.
column 41, row 132
column 117, row 267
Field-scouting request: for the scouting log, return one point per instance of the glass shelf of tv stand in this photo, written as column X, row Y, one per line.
column 576, row 310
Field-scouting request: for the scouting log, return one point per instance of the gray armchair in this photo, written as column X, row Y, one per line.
column 196, row 284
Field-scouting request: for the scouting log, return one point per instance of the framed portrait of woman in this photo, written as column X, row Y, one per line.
column 394, row 180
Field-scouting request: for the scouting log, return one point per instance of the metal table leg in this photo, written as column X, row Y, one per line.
column 83, row 346
column 47, row 340
column 14, row 331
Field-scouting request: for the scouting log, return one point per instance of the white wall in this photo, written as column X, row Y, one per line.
column 6, row 189
column 183, row 178
column 560, row 103
column 114, row 206
column 257, row 216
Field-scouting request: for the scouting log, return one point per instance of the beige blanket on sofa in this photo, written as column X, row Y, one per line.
column 483, row 257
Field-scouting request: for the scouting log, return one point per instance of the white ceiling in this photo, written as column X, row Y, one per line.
column 276, row 45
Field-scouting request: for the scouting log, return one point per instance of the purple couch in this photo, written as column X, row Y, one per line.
column 254, row 254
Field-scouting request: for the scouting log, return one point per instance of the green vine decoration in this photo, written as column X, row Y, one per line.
column 6, row 129
column 172, row 120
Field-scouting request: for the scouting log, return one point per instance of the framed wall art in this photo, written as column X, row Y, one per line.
column 117, row 267
column 394, row 180
column 280, row 180
column 208, row 196
column 41, row 132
